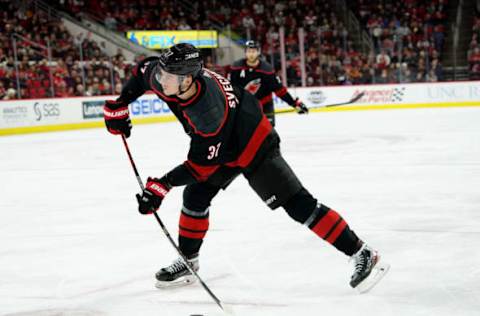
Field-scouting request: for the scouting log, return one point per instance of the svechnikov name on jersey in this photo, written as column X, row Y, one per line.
column 226, row 85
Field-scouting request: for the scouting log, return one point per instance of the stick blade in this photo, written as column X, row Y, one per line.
column 227, row 310
column 353, row 100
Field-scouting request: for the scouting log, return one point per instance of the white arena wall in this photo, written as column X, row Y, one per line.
column 42, row 115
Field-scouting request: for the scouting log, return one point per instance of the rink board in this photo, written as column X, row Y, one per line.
column 56, row 114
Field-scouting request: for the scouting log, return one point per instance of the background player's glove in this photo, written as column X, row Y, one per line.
column 153, row 195
column 117, row 118
column 300, row 107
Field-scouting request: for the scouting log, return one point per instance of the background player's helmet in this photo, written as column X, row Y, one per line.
column 182, row 59
column 252, row 44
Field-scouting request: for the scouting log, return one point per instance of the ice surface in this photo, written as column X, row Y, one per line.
column 407, row 181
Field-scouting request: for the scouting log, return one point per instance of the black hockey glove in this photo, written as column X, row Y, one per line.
column 117, row 117
column 300, row 107
column 153, row 195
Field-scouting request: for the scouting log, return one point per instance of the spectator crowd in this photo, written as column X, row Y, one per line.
column 408, row 39
column 474, row 51
column 75, row 66
column 408, row 35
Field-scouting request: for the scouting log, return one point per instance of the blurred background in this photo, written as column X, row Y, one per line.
column 66, row 48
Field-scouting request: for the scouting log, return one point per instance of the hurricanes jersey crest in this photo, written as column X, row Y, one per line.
column 253, row 86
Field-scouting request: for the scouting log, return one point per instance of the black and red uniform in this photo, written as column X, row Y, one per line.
column 230, row 135
column 260, row 81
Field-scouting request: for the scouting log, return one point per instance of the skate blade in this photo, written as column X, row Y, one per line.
column 378, row 272
column 182, row 281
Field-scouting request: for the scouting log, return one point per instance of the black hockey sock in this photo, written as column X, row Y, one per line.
column 323, row 221
column 189, row 246
column 192, row 230
column 331, row 227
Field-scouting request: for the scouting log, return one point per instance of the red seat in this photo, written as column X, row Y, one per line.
column 32, row 92
column 41, row 93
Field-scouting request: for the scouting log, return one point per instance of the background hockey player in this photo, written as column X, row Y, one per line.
column 258, row 77
column 229, row 136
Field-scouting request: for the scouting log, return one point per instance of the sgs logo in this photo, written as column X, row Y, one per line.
column 46, row 110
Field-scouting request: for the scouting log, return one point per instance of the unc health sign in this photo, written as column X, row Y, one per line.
column 166, row 39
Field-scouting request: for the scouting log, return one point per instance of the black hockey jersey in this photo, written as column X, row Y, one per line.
column 260, row 81
column 225, row 124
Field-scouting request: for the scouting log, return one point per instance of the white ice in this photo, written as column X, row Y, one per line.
column 407, row 181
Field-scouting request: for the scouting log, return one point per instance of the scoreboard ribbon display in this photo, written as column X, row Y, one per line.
column 166, row 39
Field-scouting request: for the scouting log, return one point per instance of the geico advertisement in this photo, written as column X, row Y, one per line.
column 148, row 105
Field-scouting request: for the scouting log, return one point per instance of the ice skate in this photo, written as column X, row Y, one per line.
column 177, row 274
column 368, row 269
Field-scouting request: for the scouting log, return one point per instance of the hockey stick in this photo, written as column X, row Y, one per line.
column 165, row 231
column 351, row 101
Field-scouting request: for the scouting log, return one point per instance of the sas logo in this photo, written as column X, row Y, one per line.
column 46, row 110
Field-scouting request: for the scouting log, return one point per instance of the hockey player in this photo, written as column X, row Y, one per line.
column 229, row 136
column 258, row 77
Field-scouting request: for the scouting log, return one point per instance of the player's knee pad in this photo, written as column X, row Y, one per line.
column 274, row 181
column 301, row 206
column 197, row 196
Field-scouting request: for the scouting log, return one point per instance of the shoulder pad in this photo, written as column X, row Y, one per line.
column 239, row 63
column 208, row 117
column 265, row 66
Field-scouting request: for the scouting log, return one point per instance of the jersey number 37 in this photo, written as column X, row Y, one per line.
column 213, row 151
